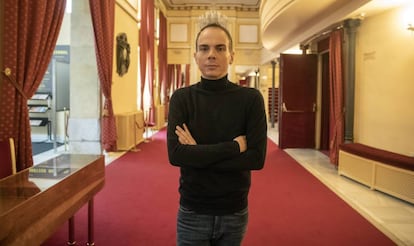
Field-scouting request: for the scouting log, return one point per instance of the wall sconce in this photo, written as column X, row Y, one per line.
column 410, row 27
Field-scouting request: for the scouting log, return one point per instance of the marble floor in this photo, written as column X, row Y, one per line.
column 392, row 216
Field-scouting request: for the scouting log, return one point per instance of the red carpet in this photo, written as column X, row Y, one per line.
column 288, row 206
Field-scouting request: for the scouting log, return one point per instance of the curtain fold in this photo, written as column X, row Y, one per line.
column 162, row 58
column 143, row 49
column 151, row 59
column 103, row 19
column 163, row 64
column 31, row 29
column 169, row 87
column 146, row 43
column 336, row 136
column 173, row 78
column 179, row 76
column 187, row 74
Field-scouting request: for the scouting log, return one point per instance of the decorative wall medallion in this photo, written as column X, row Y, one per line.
column 122, row 54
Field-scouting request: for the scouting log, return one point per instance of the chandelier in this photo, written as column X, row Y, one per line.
column 212, row 17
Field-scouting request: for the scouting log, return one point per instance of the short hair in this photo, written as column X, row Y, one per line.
column 217, row 26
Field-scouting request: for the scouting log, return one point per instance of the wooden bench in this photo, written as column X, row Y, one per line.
column 378, row 169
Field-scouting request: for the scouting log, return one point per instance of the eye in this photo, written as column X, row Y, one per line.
column 203, row 48
column 221, row 48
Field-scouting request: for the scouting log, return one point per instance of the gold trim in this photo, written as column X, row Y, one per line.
column 8, row 73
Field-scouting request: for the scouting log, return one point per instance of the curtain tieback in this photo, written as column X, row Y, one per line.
column 8, row 74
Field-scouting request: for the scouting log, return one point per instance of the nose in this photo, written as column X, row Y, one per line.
column 212, row 54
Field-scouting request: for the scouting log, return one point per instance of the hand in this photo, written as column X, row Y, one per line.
column 241, row 140
column 184, row 135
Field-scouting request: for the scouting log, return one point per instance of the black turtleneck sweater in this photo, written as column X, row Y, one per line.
column 215, row 176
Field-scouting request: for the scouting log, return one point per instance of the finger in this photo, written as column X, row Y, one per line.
column 178, row 133
column 185, row 131
column 181, row 140
column 181, row 137
column 185, row 127
column 179, row 128
column 190, row 137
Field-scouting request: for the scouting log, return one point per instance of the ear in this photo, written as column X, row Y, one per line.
column 231, row 58
column 195, row 57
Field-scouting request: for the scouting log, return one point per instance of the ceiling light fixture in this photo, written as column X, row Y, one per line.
column 212, row 16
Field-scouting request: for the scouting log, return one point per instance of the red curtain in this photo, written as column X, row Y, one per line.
column 146, row 43
column 151, row 59
column 173, row 77
column 162, row 58
column 170, row 79
column 31, row 29
column 336, row 134
column 179, row 77
column 187, row 74
column 169, row 87
column 143, row 49
column 103, row 17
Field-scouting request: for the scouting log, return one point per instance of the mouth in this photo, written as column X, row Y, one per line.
column 211, row 66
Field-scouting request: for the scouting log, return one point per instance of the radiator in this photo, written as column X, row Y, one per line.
column 130, row 129
column 392, row 180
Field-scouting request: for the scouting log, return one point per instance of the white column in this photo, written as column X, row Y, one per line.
column 84, row 122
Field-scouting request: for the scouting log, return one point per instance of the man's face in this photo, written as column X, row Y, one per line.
column 213, row 55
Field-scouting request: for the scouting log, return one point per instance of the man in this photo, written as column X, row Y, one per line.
column 216, row 135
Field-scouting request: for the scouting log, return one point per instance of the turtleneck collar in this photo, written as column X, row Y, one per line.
column 214, row 85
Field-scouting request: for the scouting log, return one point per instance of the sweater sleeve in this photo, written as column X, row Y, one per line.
column 197, row 156
column 256, row 134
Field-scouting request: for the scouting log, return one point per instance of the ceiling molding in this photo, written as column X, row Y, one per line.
column 240, row 5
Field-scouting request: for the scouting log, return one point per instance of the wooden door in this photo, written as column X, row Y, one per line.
column 297, row 101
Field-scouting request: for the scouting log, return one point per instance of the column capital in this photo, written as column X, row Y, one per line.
column 352, row 24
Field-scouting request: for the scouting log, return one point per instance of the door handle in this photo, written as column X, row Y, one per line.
column 284, row 109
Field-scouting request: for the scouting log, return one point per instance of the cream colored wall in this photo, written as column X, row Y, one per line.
column 384, row 86
column 247, row 53
column 182, row 52
column 124, row 89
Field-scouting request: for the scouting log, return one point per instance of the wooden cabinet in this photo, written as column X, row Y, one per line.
column 159, row 117
column 129, row 129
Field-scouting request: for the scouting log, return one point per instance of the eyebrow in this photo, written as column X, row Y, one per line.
column 217, row 45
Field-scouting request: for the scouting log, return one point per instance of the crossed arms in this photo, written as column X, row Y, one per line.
column 196, row 142
column 185, row 137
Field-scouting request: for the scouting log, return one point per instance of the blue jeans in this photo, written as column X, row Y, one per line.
column 208, row 230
